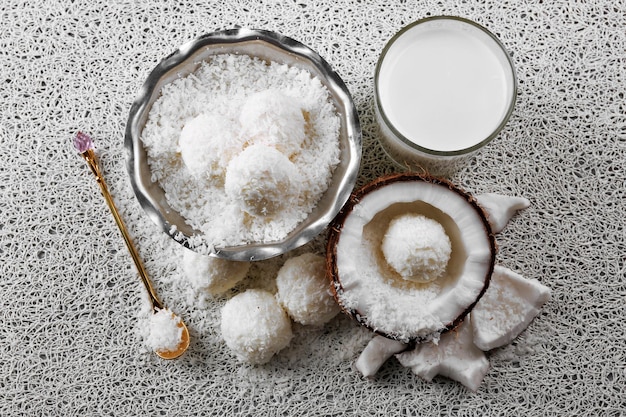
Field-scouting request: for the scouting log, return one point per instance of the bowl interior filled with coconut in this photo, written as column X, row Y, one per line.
column 243, row 144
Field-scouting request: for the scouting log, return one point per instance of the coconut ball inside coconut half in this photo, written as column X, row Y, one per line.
column 416, row 247
column 409, row 256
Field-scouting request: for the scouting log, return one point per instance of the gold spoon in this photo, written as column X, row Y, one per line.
column 84, row 146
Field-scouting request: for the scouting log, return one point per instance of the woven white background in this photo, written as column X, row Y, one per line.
column 71, row 300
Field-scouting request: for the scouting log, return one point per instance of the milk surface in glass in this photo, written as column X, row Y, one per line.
column 445, row 86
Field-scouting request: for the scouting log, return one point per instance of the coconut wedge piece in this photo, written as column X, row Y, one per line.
column 508, row 306
column 501, row 208
column 455, row 357
column 376, row 353
column 367, row 287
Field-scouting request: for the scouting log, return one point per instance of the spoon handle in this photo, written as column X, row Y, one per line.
column 90, row 157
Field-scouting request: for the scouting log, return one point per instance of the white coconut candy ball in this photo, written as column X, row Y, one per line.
column 254, row 326
column 304, row 292
column 261, row 179
column 207, row 142
column 417, row 247
column 272, row 118
column 213, row 275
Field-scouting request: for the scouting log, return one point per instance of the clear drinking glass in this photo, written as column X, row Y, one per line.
column 444, row 88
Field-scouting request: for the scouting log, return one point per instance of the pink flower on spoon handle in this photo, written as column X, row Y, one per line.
column 82, row 142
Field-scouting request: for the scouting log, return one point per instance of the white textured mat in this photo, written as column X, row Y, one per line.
column 72, row 304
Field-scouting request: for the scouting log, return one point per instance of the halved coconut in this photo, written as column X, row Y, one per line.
column 370, row 290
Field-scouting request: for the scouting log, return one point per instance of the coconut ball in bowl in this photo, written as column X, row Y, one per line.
column 207, row 143
column 262, row 180
column 273, row 118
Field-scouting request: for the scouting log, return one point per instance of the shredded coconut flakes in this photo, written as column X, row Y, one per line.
column 165, row 333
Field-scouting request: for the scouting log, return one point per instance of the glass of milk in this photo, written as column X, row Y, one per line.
column 444, row 88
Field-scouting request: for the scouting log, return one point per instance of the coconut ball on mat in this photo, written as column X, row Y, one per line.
column 254, row 326
column 213, row 275
column 261, row 179
column 304, row 292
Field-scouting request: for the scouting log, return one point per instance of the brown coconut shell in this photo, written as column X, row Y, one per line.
column 336, row 227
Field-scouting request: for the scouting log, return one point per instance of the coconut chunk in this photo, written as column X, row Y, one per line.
column 455, row 357
column 254, row 326
column 508, row 306
column 501, row 208
column 376, row 353
column 417, row 247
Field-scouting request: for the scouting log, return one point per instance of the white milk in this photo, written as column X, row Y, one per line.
column 445, row 85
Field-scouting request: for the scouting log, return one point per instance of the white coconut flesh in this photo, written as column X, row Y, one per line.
column 371, row 291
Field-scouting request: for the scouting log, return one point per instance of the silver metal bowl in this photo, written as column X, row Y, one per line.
column 268, row 46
